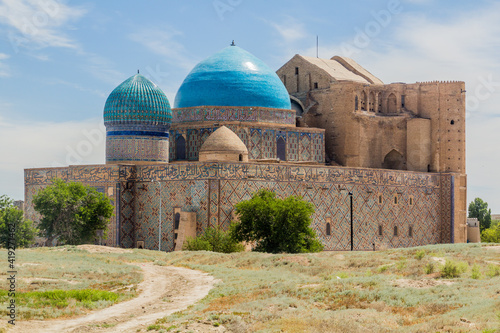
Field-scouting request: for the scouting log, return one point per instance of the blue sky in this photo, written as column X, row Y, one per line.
column 59, row 60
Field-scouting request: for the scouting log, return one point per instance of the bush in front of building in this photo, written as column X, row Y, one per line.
column 72, row 212
column 215, row 240
column 15, row 230
column 276, row 225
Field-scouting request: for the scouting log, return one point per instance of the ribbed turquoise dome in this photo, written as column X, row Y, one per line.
column 232, row 77
column 137, row 101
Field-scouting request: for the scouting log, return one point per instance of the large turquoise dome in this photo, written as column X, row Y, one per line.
column 232, row 77
column 137, row 101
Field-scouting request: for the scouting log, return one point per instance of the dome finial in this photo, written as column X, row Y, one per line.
column 232, row 44
column 137, row 71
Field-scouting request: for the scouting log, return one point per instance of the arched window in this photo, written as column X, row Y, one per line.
column 363, row 101
column 177, row 220
column 410, row 231
column 356, row 101
column 395, row 230
column 297, row 107
column 380, row 230
column 393, row 160
column 281, row 149
column 180, row 148
column 328, row 229
column 392, row 106
column 372, row 102
column 241, row 157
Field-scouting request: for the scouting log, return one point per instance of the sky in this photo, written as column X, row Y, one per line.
column 59, row 60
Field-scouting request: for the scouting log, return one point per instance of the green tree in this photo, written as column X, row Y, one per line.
column 276, row 225
column 491, row 235
column 12, row 218
column 72, row 212
column 216, row 240
column 479, row 209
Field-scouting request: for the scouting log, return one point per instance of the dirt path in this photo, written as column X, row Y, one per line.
column 165, row 290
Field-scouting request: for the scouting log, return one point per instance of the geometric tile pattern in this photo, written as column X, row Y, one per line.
column 103, row 178
column 136, row 148
column 305, row 146
column 227, row 113
column 293, row 146
column 301, row 145
column 381, row 199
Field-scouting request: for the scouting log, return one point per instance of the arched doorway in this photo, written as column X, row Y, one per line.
column 297, row 108
column 392, row 106
column 177, row 220
column 393, row 160
column 371, row 102
column 281, row 149
column 180, row 148
column 363, row 101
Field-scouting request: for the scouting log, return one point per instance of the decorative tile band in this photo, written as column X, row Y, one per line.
column 136, row 149
column 246, row 114
column 138, row 133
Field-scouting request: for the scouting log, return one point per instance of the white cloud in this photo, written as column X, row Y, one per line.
column 46, row 145
column 289, row 29
column 38, row 23
column 163, row 42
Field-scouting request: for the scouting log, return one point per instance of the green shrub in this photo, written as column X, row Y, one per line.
column 382, row 269
column 475, row 274
column 277, row 225
column 420, row 254
column 453, row 269
column 401, row 265
column 214, row 239
column 155, row 327
column 493, row 270
column 491, row 235
column 429, row 268
column 197, row 244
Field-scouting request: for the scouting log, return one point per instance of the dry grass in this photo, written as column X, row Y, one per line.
column 349, row 291
column 68, row 271
column 385, row 291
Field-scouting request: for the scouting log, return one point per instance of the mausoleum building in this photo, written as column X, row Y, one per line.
column 319, row 129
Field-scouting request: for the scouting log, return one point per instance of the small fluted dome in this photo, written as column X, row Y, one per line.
column 232, row 77
column 223, row 145
column 137, row 101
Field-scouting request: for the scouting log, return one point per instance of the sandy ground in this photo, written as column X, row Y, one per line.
column 164, row 290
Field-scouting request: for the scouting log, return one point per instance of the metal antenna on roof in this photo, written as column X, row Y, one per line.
column 317, row 46
column 232, row 44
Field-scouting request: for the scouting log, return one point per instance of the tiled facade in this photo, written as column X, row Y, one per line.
column 383, row 199
column 302, row 144
column 245, row 114
column 135, row 148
